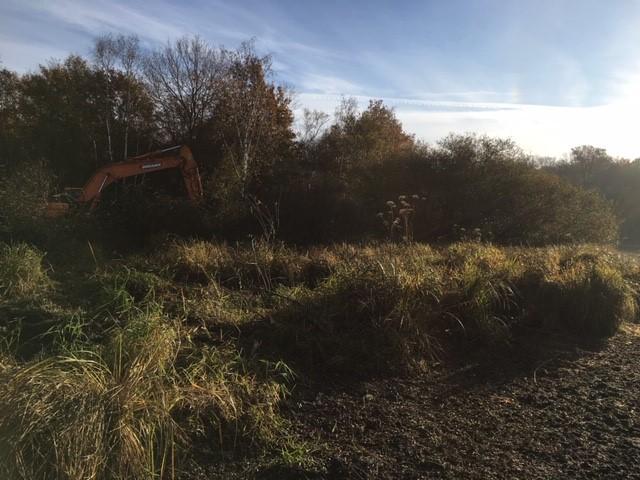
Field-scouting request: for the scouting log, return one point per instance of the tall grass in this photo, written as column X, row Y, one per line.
column 145, row 367
column 90, row 416
column 378, row 306
column 586, row 296
column 129, row 409
column 260, row 265
column 22, row 272
column 387, row 306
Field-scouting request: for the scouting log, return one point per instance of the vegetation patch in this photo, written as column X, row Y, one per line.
column 130, row 408
column 586, row 297
column 22, row 272
column 387, row 307
column 260, row 266
column 121, row 371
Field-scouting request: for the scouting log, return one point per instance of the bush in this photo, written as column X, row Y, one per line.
column 489, row 187
column 130, row 214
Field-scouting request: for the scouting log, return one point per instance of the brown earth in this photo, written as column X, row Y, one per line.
column 566, row 412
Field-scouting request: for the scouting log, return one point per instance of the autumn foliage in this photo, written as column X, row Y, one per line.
column 324, row 179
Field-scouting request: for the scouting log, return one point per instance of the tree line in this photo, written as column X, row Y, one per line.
column 356, row 175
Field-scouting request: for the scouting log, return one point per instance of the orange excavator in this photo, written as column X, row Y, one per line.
column 179, row 157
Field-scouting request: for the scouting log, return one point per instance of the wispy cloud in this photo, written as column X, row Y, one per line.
column 327, row 85
column 93, row 18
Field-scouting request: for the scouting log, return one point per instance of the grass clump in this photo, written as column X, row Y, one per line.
column 88, row 416
column 258, row 266
column 128, row 410
column 482, row 297
column 586, row 296
column 365, row 317
column 197, row 260
column 22, row 272
column 31, row 328
column 388, row 307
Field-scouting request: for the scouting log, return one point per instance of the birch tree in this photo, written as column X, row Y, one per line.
column 119, row 55
column 255, row 114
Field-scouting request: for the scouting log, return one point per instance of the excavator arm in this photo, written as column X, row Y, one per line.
column 179, row 157
column 175, row 157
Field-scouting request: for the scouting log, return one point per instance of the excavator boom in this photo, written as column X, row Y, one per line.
column 179, row 157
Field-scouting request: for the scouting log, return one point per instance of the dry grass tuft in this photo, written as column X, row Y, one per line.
column 128, row 410
column 21, row 271
column 384, row 307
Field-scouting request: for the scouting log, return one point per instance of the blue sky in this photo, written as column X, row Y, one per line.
column 551, row 74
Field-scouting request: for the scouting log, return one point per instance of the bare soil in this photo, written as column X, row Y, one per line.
column 565, row 412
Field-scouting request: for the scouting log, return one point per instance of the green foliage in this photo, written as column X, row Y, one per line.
column 33, row 327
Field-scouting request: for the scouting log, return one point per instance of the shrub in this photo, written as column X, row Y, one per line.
column 485, row 187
